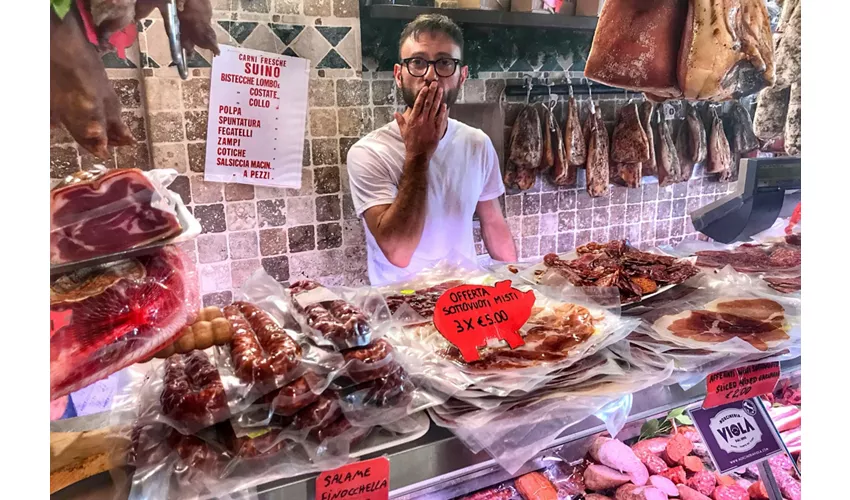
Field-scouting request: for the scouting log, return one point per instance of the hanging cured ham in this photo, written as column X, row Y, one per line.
column 628, row 142
column 195, row 18
column 683, row 153
column 646, row 109
column 793, row 123
column 769, row 119
column 698, row 49
column 719, row 152
column 636, row 46
column 697, row 143
column 547, row 122
column 788, row 47
column 563, row 174
column 526, row 149
column 727, row 50
column 744, row 140
column 668, row 161
column 574, row 141
column 598, row 175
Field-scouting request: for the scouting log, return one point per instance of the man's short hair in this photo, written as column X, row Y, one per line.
column 431, row 23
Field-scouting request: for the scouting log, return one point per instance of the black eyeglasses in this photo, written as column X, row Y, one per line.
column 417, row 66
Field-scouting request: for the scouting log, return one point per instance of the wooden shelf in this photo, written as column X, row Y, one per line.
column 487, row 17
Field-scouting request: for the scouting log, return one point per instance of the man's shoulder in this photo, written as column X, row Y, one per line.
column 378, row 139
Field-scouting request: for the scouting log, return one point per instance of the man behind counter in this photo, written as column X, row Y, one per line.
column 418, row 180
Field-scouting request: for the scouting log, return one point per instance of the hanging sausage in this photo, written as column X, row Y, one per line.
column 646, row 109
column 597, row 157
column 574, row 141
column 668, row 161
column 719, row 153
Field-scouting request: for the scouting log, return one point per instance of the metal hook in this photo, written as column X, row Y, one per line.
column 172, row 30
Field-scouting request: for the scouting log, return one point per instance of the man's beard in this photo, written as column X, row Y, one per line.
column 409, row 96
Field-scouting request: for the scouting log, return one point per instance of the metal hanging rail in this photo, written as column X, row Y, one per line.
column 579, row 88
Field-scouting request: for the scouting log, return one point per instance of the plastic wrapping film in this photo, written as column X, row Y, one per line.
column 515, row 435
column 341, row 318
column 575, row 331
column 217, row 463
column 135, row 207
column 767, row 257
column 637, row 274
column 732, row 319
column 725, row 317
column 110, row 316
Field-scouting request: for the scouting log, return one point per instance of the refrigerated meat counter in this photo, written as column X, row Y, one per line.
column 438, row 465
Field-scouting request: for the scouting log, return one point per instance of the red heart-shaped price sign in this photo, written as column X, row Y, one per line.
column 470, row 315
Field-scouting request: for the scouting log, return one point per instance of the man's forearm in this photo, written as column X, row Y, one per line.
column 499, row 241
column 400, row 226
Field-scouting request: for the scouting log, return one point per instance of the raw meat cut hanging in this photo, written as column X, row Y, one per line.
column 636, row 46
column 108, row 317
column 726, row 51
column 102, row 212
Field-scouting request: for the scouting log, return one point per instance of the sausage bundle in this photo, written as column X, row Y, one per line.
column 193, row 394
column 327, row 318
column 260, row 349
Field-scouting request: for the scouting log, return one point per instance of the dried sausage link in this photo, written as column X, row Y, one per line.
column 259, row 349
column 193, row 390
column 338, row 321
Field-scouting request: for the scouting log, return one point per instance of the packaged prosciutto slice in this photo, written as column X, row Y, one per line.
column 725, row 317
column 107, row 317
column 101, row 212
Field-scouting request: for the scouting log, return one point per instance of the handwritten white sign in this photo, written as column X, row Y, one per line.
column 257, row 117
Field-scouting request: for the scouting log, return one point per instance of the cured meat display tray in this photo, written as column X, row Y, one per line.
column 533, row 273
column 191, row 229
column 437, row 465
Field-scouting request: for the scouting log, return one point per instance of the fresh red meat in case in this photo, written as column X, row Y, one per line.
column 103, row 212
column 105, row 318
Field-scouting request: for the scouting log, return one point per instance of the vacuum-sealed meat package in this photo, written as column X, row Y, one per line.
column 561, row 330
column 107, row 317
column 331, row 319
column 101, row 212
column 725, row 317
column 184, row 392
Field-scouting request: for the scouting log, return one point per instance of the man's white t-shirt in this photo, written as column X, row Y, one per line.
column 464, row 170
